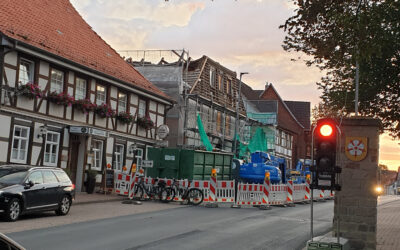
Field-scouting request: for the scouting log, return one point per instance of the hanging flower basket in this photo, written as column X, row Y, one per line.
column 104, row 111
column 125, row 117
column 145, row 122
column 60, row 98
column 84, row 105
column 31, row 91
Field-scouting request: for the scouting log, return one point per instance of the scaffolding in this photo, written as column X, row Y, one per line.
column 155, row 57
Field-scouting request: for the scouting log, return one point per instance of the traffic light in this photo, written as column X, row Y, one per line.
column 325, row 145
column 325, row 140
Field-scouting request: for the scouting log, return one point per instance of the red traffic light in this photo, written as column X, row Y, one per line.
column 326, row 130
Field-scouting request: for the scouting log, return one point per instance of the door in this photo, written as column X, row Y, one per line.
column 74, row 147
column 52, row 190
column 34, row 196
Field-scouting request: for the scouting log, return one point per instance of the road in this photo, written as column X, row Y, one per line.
column 188, row 228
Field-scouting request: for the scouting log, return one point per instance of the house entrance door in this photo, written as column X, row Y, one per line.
column 74, row 147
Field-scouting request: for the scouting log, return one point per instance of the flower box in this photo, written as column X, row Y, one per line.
column 60, row 98
column 104, row 111
column 125, row 117
column 85, row 105
column 145, row 122
column 31, row 91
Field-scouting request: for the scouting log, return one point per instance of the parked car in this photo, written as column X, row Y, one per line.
column 25, row 189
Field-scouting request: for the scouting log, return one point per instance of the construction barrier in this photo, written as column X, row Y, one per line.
column 121, row 184
column 278, row 194
column 215, row 191
column 250, row 194
column 299, row 192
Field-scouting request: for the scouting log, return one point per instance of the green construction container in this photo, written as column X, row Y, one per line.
column 189, row 164
column 165, row 162
column 197, row 165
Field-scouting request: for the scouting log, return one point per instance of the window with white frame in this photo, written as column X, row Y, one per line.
column 139, row 157
column 80, row 91
column 26, row 69
column 122, row 102
column 51, row 148
column 142, row 108
column 118, row 156
column 19, row 148
column 212, row 76
column 97, row 154
column 57, row 81
column 100, row 95
column 283, row 139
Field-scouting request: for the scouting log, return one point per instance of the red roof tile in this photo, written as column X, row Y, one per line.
column 55, row 26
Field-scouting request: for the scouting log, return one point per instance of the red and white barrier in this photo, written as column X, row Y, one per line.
column 307, row 194
column 278, row 194
column 122, row 183
column 266, row 191
column 226, row 191
column 213, row 189
column 299, row 191
column 290, row 191
column 250, row 194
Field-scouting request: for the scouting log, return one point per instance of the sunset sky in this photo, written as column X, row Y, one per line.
column 242, row 35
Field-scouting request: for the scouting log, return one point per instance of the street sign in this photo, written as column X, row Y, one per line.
column 147, row 164
column 162, row 131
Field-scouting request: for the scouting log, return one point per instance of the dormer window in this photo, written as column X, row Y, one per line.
column 26, row 69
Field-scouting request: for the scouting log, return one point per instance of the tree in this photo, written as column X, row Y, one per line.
column 334, row 35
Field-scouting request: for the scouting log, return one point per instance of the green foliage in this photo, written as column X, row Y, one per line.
column 334, row 35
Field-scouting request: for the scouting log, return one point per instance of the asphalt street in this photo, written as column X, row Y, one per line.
column 188, row 228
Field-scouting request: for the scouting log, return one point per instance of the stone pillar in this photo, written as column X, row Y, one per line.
column 356, row 203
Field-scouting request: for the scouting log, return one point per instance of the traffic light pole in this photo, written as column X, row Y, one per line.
column 312, row 189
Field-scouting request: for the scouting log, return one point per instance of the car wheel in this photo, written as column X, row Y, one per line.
column 13, row 210
column 64, row 206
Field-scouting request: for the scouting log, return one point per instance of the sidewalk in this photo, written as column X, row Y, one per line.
column 82, row 198
column 388, row 231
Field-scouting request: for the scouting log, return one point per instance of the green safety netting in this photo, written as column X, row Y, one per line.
column 203, row 134
column 258, row 142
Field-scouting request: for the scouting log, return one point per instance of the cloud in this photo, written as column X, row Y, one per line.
column 160, row 12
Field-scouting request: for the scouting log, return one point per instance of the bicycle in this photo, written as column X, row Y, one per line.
column 152, row 191
column 192, row 196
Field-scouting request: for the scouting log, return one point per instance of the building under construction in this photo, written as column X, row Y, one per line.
column 200, row 87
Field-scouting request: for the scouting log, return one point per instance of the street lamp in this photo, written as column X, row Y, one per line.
column 237, row 112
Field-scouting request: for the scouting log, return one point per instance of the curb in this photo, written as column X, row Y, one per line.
column 98, row 201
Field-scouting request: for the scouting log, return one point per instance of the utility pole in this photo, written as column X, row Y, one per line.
column 237, row 112
column 357, row 63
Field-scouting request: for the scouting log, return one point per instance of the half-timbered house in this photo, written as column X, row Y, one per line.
column 67, row 98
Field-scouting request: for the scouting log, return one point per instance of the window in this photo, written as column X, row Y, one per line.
column 36, row 177
column 139, row 157
column 227, row 125
column 142, row 108
column 19, row 149
column 26, row 68
column 118, row 156
column 100, row 95
column 122, row 102
column 80, row 91
column 62, row 176
column 57, row 81
column 220, row 83
column 212, row 76
column 219, row 121
column 283, row 139
column 97, row 153
column 229, row 86
column 51, row 149
column 49, row 177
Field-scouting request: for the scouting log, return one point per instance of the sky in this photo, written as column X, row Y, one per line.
column 242, row 35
